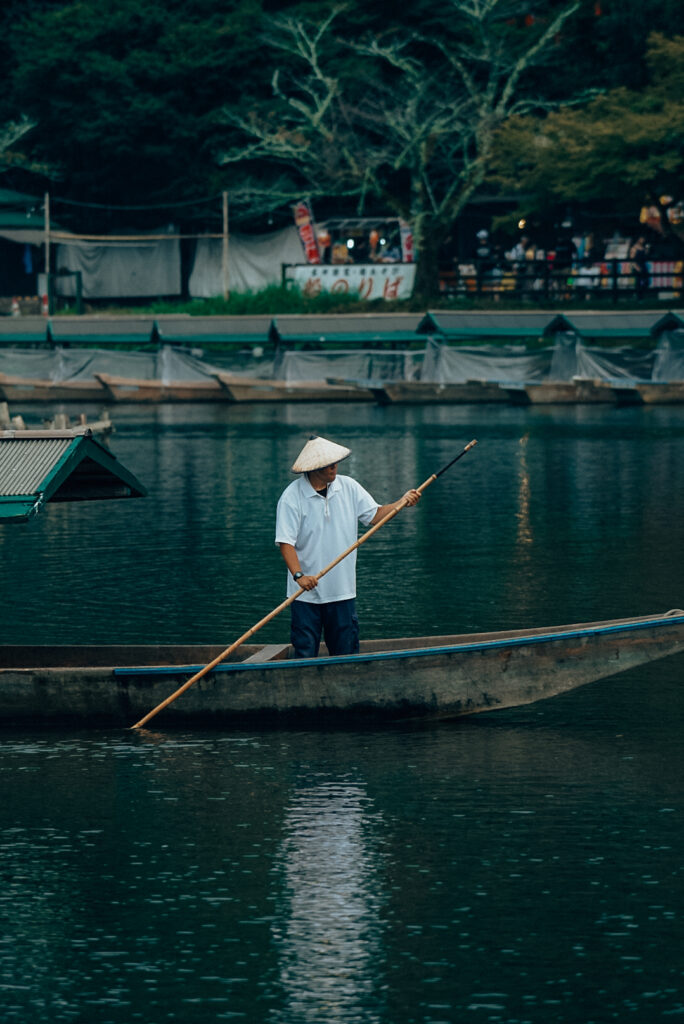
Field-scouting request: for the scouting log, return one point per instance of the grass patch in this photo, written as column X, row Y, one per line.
column 278, row 300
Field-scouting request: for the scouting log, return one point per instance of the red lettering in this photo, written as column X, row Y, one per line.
column 313, row 286
column 391, row 288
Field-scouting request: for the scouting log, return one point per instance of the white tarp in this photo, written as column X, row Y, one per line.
column 165, row 364
column 23, row 236
column 254, row 262
column 503, row 364
column 120, row 269
column 669, row 356
column 441, row 364
column 43, row 364
column 363, row 280
column 563, row 365
column 348, row 364
column 613, row 364
column 569, row 357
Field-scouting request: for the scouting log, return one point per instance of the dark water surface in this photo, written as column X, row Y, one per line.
column 523, row 866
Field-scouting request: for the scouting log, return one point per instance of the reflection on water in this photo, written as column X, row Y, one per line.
column 327, row 932
column 523, row 867
column 519, row 867
column 524, row 489
column 558, row 515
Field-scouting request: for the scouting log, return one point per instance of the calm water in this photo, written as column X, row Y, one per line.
column 524, row 866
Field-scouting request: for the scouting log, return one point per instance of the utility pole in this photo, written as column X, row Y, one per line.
column 224, row 248
column 48, row 289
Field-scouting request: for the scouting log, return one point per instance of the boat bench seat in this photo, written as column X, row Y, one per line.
column 269, row 652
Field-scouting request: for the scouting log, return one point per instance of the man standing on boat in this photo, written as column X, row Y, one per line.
column 316, row 520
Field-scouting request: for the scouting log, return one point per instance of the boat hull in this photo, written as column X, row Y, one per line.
column 245, row 389
column 14, row 390
column 424, row 392
column 575, row 392
column 125, row 389
column 430, row 677
column 661, row 392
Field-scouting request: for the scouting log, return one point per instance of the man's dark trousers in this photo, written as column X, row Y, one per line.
column 336, row 620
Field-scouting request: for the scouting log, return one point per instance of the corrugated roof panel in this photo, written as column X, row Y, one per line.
column 67, row 466
column 102, row 329
column 25, row 464
column 361, row 325
column 214, row 328
column 23, row 328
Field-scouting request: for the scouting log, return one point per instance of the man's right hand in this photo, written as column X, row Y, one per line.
column 307, row 582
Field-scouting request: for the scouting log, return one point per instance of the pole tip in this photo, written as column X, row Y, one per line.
column 471, row 445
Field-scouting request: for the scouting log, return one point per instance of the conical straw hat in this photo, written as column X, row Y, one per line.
column 317, row 453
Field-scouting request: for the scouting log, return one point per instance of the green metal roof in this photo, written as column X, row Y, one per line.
column 99, row 330
column 40, row 466
column 511, row 323
column 23, row 328
column 473, row 324
column 348, row 328
column 206, row 330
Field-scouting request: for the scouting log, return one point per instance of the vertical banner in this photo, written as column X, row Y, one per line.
column 406, row 241
column 303, row 216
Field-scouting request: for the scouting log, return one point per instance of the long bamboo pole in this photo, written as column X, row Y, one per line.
column 293, row 597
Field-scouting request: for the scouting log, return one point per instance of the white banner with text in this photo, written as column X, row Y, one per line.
column 368, row 281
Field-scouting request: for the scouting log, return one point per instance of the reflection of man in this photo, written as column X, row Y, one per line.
column 327, row 929
column 316, row 520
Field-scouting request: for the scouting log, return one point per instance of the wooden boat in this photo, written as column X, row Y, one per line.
column 257, row 389
column 131, row 389
column 18, row 390
column 419, row 677
column 424, row 392
column 626, row 392
column 578, row 391
column 654, row 392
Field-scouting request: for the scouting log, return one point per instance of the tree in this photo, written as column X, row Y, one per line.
column 622, row 144
column 123, row 93
column 408, row 120
column 10, row 134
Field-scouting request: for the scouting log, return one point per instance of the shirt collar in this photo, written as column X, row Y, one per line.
column 311, row 492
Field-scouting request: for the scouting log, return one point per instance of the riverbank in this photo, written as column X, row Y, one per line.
column 278, row 301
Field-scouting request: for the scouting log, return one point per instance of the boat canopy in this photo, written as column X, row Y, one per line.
column 37, row 466
column 608, row 324
column 367, row 330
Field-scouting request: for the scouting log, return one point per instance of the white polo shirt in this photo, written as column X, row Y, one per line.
column 320, row 529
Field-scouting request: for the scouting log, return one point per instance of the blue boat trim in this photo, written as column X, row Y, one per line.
column 419, row 652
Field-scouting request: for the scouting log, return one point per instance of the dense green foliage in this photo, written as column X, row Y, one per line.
column 621, row 143
column 156, row 103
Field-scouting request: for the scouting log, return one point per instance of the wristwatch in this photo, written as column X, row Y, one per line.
column 297, row 576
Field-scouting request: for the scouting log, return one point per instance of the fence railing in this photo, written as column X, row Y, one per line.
column 612, row 280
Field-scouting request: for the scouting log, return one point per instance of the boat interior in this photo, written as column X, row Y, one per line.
column 149, row 655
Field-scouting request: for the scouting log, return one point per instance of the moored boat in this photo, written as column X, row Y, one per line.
column 258, row 389
column 654, row 392
column 130, row 389
column 418, row 677
column 426, row 392
column 16, row 390
column 578, row 391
